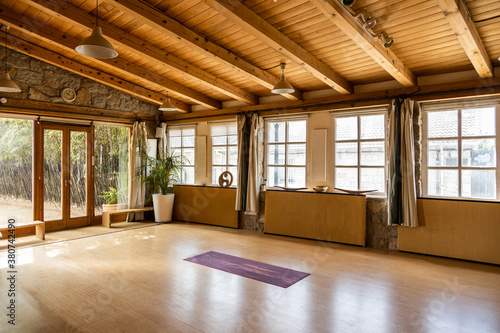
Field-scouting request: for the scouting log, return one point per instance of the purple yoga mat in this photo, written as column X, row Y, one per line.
column 279, row 276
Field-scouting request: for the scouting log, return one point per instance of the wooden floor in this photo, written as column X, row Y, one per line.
column 136, row 281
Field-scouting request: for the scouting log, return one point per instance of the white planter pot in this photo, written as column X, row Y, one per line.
column 163, row 205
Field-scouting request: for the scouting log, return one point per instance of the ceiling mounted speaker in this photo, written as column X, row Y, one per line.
column 348, row 2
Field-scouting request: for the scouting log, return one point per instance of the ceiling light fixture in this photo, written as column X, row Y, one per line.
column 6, row 84
column 167, row 105
column 96, row 46
column 388, row 41
column 283, row 87
column 367, row 22
column 366, row 19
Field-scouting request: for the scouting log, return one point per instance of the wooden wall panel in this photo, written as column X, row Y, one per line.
column 455, row 229
column 206, row 204
column 321, row 216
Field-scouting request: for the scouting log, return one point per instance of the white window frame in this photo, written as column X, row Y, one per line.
column 358, row 141
column 184, row 165
column 425, row 168
column 227, row 145
column 286, row 143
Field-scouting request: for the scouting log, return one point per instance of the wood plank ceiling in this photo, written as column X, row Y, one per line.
column 206, row 52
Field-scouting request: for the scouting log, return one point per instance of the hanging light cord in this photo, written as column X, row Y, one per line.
column 483, row 20
column 96, row 13
column 6, row 49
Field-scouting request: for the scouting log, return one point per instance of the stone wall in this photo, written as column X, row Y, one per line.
column 43, row 82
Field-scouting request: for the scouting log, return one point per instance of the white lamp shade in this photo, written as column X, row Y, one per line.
column 283, row 87
column 7, row 85
column 96, row 46
column 167, row 106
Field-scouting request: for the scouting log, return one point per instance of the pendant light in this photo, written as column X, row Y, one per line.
column 96, row 46
column 283, row 87
column 167, row 105
column 6, row 84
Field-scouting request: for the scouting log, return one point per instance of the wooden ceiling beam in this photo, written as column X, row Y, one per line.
column 442, row 91
column 174, row 29
column 339, row 16
column 118, row 64
column 467, row 34
column 246, row 19
column 109, row 80
column 67, row 12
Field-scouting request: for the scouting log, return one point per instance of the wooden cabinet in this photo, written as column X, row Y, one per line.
column 322, row 216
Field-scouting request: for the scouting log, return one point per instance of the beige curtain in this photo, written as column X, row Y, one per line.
column 402, row 193
column 253, row 186
column 163, row 138
column 242, row 179
column 137, row 189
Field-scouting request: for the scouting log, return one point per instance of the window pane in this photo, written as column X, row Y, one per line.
column 188, row 141
column 16, row 150
column 52, row 162
column 232, row 129
column 442, row 183
column 276, row 154
column 174, row 132
column 442, row 124
column 233, row 155
column 297, row 131
column 479, row 184
column 234, row 172
column 373, row 153
column 188, row 131
column 372, row 127
column 372, row 179
column 188, row 175
column 296, row 177
column 276, row 132
column 232, row 140
column 479, row 153
column 346, row 128
column 346, row 153
column 175, row 141
column 478, row 122
column 442, row 153
column 346, row 178
column 219, row 155
column 111, row 165
column 78, row 174
column 189, row 156
column 216, row 171
column 219, row 140
column 218, row 129
column 275, row 176
column 296, row 154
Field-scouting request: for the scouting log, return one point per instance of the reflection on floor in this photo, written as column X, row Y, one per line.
column 136, row 281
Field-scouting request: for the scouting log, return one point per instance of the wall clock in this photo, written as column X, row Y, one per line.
column 68, row 95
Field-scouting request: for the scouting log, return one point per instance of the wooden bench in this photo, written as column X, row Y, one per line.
column 106, row 216
column 39, row 228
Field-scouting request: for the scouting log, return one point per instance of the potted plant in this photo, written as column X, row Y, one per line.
column 110, row 200
column 159, row 174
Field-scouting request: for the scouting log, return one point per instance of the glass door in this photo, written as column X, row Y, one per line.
column 66, row 175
